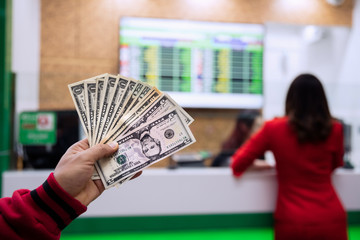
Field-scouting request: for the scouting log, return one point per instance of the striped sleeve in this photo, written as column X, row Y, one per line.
column 56, row 202
column 38, row 214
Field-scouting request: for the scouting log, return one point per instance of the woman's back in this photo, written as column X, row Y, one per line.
column 304, row 174
column 307, row 204
column 308, row 146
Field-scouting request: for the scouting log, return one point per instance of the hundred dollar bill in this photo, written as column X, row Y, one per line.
column 144, row 147
column 77, row 91
column 109, row 85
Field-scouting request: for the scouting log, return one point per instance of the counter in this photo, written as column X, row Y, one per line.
column 189, row 191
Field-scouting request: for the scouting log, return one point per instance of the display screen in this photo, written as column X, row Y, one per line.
column 200, row 64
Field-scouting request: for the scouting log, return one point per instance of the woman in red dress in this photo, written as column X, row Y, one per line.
column 307, row 144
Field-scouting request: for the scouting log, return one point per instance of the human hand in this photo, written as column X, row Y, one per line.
column 75, row 168
column 260, row 165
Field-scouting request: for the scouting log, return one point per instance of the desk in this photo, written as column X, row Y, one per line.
column 189, row 191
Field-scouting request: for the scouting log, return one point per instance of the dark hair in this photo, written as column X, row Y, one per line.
column 307, row 109
column 243, row 126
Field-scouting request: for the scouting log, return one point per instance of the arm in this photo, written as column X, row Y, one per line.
column 38, row 214
column 247, row 153
column 45, row 211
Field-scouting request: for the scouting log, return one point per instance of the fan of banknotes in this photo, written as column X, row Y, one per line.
column 148, row 125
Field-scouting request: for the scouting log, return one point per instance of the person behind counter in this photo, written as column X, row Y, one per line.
column 45, row 211
column 247, row 122
column 307, row 144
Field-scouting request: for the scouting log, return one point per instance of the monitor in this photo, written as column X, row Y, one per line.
column 200, row 64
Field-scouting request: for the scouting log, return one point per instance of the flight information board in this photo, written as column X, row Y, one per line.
column 200, row 64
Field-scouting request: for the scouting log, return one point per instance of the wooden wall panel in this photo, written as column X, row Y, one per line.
column 79, row 39
column 83, row 34
column 98, row 31
column 58, row 34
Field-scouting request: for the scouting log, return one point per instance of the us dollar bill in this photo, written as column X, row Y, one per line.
column 118, row 108
column 90, row 91
column 151, row 96
column 120, row 86
column 135, row 93
column 145, row 92
column 188, row 119
column 127, row 99
column 98, row 96
column 132, row 115
column 109, row 85
column 162, row 105
column 145, row 146
column 77, row 91
column 121, row 100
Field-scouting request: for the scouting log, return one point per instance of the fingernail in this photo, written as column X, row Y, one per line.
column 113, row 144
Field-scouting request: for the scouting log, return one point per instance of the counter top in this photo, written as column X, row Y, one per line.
column 189, row 191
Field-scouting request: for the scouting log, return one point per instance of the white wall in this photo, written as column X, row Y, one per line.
column 347, row 95
column 288, row 52
column 331, row 54
column 26, row 53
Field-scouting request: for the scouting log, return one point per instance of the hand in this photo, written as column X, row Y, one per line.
column 75, row 168
column 260, row 165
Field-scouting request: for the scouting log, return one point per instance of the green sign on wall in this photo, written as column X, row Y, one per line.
column 37, row 128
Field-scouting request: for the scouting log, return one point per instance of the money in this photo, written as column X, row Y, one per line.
column 78, row 95
column 90, row 91
column 109, row 85
column 131, row 116
column 147, row 123
column 120, row 86
column 98, row 96
column 163, row 104
column 121, row 103
column 144, row 147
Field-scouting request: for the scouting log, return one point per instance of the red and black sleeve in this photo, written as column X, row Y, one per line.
column 38, row 214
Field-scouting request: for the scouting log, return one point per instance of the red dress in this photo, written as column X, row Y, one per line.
column 307, row 204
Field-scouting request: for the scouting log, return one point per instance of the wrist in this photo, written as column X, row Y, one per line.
column 58, row 184
column 56, row 202
column 90, row 192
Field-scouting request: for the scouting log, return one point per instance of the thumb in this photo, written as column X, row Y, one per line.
column 101, row 150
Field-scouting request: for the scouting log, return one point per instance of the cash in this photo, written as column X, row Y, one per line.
column 147, row 124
